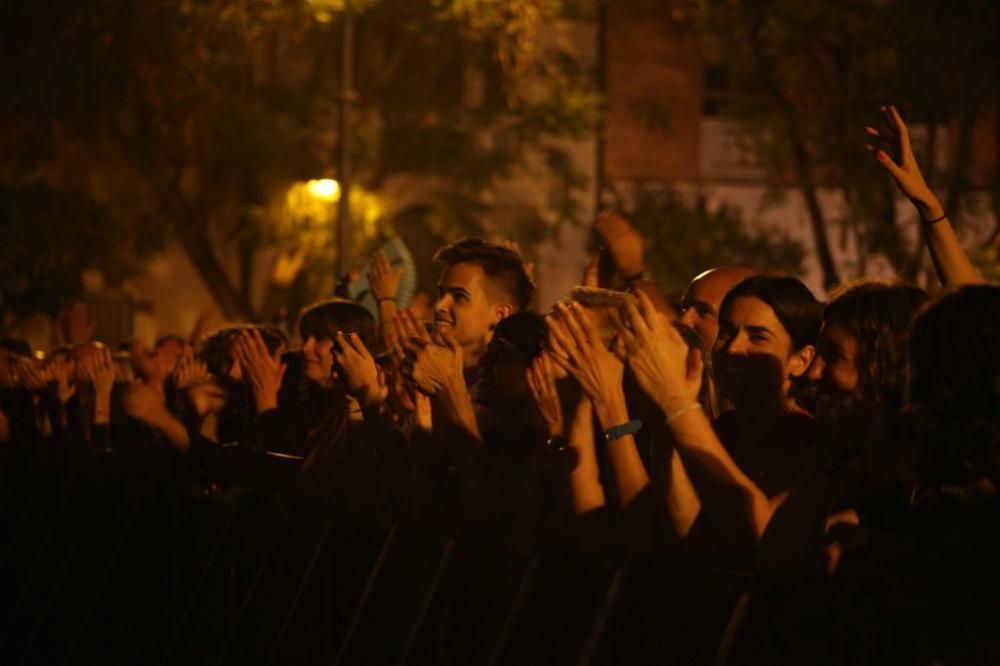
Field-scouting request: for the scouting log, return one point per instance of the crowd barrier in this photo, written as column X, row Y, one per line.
column 104, row 573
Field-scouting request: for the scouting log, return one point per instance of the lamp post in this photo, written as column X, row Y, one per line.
column 347, row 94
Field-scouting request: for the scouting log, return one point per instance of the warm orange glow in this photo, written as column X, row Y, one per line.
column 324, row 188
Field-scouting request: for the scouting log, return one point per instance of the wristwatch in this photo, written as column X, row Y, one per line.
column 619, row 431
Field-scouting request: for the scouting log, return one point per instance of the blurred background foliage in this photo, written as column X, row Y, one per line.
column 196, row 117
column 127, row 125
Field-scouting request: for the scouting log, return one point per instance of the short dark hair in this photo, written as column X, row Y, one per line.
column 954, row 354
column 215, row 351
column 324, row 319
column 955, row 382
column 525, row 330
column 879, row 317
column 503, row 267
column 793, row 304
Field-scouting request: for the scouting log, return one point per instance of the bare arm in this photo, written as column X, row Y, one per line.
column 384, row 283
column 670, row 373
column 950, row 261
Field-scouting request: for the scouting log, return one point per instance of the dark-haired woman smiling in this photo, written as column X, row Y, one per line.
column 766, row 342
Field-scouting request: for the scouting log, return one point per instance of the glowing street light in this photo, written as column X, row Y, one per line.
column 324, row 188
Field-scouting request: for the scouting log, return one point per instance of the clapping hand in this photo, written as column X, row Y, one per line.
column 662, row 363
column 542, row 382
column 578, row 350
column 432, row 367
column 383, row 278
column 191, row 372
column 358, row 369
column 100, row 369
column 263, row 369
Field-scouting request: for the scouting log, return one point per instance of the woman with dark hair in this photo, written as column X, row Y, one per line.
column 863, row 346
column 334, row 438
column 767, row 336
column 862, row 475
column 766, row 342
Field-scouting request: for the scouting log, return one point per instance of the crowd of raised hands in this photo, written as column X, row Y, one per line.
column 743, row 419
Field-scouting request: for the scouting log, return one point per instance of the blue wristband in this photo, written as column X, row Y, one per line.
column 619, row 431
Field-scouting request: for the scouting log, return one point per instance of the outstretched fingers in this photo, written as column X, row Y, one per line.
column 560, row 340
column 577, row 325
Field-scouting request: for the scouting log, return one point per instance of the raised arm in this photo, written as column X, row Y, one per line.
column 384, row 283
column 599, row 372
column 950, row 260
column 575, row 436
column 670, row 372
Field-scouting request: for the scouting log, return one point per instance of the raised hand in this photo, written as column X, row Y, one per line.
column 542, row 382
column 950, row 260
column 434, row 368
column 577, row 348
column 99, row 368
column 33, row 376
column 60, row 369
column 359, row 370
column 262, row 369
column 623, row 241
column 903, row 168
column 383, row 278
column 287, row 266
column 191, row 372
column 403, row 331
column 662, row 363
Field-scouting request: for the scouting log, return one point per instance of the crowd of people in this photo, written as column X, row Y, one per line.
column 853, row 440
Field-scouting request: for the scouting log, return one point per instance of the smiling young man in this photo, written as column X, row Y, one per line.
column 481, row 284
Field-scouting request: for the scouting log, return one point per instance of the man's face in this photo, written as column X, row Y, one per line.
column 701, row 302
column 464, row 307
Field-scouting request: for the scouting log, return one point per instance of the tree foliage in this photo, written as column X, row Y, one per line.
column 804, row 78
column 197, row 115
column 684, row 237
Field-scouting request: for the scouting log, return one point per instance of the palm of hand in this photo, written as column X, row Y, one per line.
column 433, row 367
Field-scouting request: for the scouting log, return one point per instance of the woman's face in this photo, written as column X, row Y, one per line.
column 753, row 358
column 835, row 370
column 317, row 360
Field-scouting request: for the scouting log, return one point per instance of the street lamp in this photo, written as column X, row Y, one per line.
column 324, row 188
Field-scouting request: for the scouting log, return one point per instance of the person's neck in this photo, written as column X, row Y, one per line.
column 472, row 352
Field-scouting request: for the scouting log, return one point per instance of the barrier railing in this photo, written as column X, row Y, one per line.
column 105, row 573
